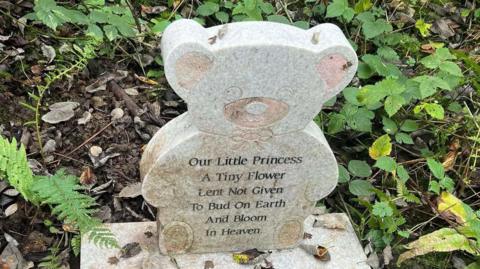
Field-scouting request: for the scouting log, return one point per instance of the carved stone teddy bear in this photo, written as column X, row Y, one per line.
column 246, row 164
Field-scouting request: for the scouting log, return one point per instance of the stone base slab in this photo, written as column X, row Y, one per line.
column 343, row 247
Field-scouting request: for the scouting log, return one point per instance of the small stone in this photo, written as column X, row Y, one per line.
column 11, row 209
column 117, row 113
column 50, row 146
column 131, row 191
column 131, row 91
column 11, row 192
column 57, row 116
column 95, row 151
column 86, row 117
column 97, row 101
column 64, row 106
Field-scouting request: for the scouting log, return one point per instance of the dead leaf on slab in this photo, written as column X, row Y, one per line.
column 331, row 221
column 319, row 252
column 131, row 191
column 251, row 256
column 129, row 250
column 208, row 265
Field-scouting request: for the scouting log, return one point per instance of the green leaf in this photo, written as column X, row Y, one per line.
column 429, row 85
column 423, row 27
column 434, row 110
column 389, row 126
column 267, row 8
column 364, row 70
column 160, row 26
column 302, row 24
column 372, row 29
column 207, row 9
column 359, row 168
column 336, row 123
column 250, row 4
column 380, row 147
column 382, row 209
column 350, row 94
column 402, row 173
column 360, row 187
column 383, row 69
column 94, row 31
column 409, row 126
column 386, row 163
column 442, row 240
column 336, row 8
column 434, row 187
column 388, row 54
column 403, row 138
column 111, row 32
column 358, row 118
column 278, row 18
column 451, row 68
column 222, row 16
column 343, row 174
column 393, row 103
column 436, row 168
column 363, row 5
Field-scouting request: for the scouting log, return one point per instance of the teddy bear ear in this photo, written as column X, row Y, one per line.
column 337, row 62
column 187, row 58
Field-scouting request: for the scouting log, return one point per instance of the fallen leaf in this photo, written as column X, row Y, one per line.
column 251, row 256
column 319, row 252
column 131, row 191
column 331, row 221
column 208, row 265
column 48, row 52
column 452, row 207
column 387, row 255
column 57, row 116
column 11, row 209
column 88, row 177
column 450, row 158
column 113, row 260
column 129, row 250
column 442, row 240
column 146, row 80
column 86, row 117
column 380, row 147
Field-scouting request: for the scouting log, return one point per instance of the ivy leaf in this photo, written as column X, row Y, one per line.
column 278, row 18
column 111, row 32
column 433, row 61
column 372, row 29
column 429, row 84
column 94, row 31
column 208, row 8
column 358, row 118
column 350, row 94
column 343, row 174
column 380, row 147
column 409, row 126
column 336, row 123
column 423, row 27
column 382, row 209
column 386, row 163
column 393, row 103
column 359, row 168
column 451, row 68
column 436, row 168
column 389, row 126
column 383, row 69
column 336, row 8
column 388, row 54
column 403, row 138
column 222, row 16
column 360, row 187
column 434, row 110
column 160, row 26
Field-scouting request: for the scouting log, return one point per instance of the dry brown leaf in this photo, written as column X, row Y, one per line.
column 146, row 80
column 450, row 158
column 88, row 177
column 319, row 252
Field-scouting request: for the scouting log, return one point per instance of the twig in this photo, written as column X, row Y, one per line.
column 89, row 139
column 122, row 95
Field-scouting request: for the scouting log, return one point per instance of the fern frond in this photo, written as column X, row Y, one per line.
column 61, row 192
column 52, row 261
column 76, row 244
column 14, row 167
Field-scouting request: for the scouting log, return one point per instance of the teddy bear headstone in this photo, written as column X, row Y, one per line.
column 245, row 166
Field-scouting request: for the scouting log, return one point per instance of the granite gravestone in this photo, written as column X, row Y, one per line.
column 246, row 164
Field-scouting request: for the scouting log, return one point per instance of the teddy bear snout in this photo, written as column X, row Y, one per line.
column 255, row 112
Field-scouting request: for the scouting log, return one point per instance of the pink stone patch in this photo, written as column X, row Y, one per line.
column 191, row 68
column 332, row 69
column 255, row 112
